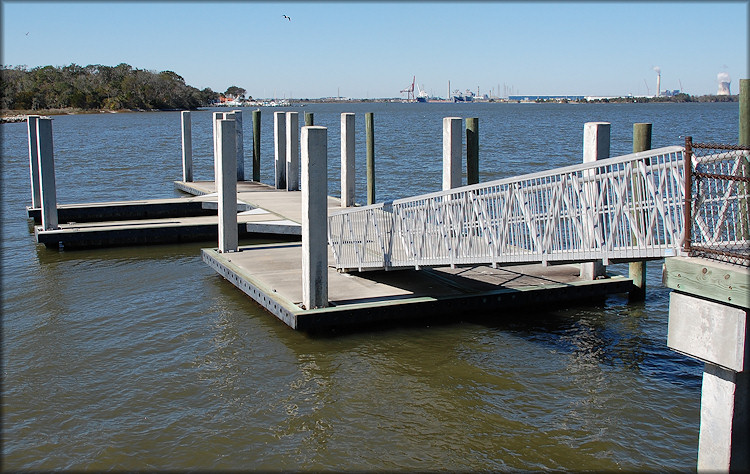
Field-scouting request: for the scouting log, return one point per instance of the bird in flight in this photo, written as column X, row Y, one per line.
column 287, row 17
column 27, row 33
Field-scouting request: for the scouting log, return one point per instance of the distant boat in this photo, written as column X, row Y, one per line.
column 422, row 96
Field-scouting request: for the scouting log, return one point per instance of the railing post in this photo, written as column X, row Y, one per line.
column 637, row 270
column 688, row 172
column 31, row 121
column 292, row 151
column 370, row 145
column 279, row 138
column 187, row 147
column 226, row 184
column 347, row 160
column 595, row 147
column 256, row 145
column 314, row 217
column 451, row 152
column 47, row 190
column 472, row 150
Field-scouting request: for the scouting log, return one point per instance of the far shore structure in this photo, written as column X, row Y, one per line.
column 363, row 264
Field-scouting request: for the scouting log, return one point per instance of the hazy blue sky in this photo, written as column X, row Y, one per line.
column 374, row 49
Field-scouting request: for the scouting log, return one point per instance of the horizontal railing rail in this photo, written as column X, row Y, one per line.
column 617, row 209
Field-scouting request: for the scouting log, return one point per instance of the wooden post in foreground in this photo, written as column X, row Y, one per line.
column 36, row 200
column 256, row 145
column 451, row 152
column 637, row 270
column 309, row 119
column 226, row 184
column 742, row 187
column 47, row 190
column 472, row 150
column 187, row 147
column 595, row 147
column 370, row 145
column 314, row 217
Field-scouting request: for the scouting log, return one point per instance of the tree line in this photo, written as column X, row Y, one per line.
column 97, row 87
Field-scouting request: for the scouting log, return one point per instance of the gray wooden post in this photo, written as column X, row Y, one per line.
column 595, row 147
column 637, row 270
column 237, row 116
column 279, row 149
column 46, row 163
column 292, row 151
column 309, row 119
column 472, row 150
column 187, row 147
column 314, row 217
column 347, row 160
column 36, row 199
column 451, row 152
column 370, row 145
column 226, row 184
column 256, row 145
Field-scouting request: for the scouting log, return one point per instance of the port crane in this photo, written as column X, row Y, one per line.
column 410, row 90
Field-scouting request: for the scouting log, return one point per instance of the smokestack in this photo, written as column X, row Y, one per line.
column 658, row 81
column 724, row 82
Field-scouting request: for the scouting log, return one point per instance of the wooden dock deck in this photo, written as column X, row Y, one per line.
column 271, row 275
column 263, row 211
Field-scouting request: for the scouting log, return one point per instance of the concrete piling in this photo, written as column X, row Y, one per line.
column 226, row 184
column 46, row 164
column 237, row 116
column 187, row 147
column 279, row 139
column 31, row 121
column 256, row 145
column 292, row 151
column 451, row 152
column 347, row 160
column 370, row 159
column 595, row 147
column 314, row 217
column 472, row 150
column 637, row 270
column 216, row 117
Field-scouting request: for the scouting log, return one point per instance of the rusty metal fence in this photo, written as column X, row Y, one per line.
column 717, row 190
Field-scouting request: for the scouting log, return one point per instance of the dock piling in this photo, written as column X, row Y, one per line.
column 216, row 117
column 595, row 147
column 472, row 150
column 314, row 217
column 292, row 151
column 279, row 138
column 226, row 185
column 187, row 147
column 309, row 119
column 370, row 145
column 46, row 163
column 237, row 116
column 637, row 270
column 31, row 121
column 451, row 152
column 347, row 159
column 256, row 145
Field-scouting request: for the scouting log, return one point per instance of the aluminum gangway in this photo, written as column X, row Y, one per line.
column 618, row 209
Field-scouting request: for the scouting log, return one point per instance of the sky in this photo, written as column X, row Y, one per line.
column 374, row 49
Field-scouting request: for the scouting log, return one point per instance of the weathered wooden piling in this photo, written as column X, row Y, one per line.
column 256, row 145
column 292, row 151
column 236, row 115
column 279, row 139
column 187, row 147
column 31, row 121
column 46, row 163
column 314, row 217
column 744, row 141
column 309, row 119
column 370, row 158
column 226, row 184
column 595, row 147
column 451, row 152
column 637, row 270
column 347, row 159
column 472, row 150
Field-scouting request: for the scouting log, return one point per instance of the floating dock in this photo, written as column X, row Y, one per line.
column 272, row 276
column 263, row 211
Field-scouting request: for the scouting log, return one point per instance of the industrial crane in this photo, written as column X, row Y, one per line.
column 410, row 90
